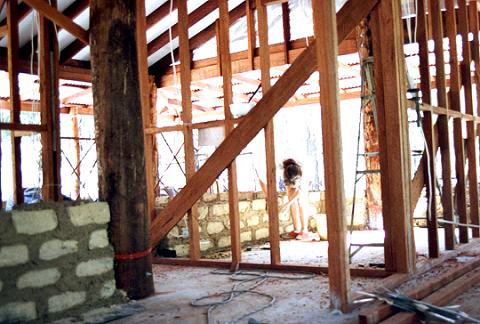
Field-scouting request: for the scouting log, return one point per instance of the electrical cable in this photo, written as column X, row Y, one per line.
column 242, row 278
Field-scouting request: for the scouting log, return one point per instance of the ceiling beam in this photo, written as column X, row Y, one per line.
column 64, row 71
column 59, row 19
column 72, row 12
column 160, row 13
column 23, row 11
column 195, row 42
column 194, row 17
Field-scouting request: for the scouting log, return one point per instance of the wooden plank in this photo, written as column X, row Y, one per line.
column 286, row 31
column 50, row 115
column 439, row 298
column 272, row 200
column 443, row 132
column 324, row 23
column 428, row 130
column 117, row 96
column 394, row 147
column 457, row 123
column 471, row 146
column 252, row 38
column 380, row 311
column 185, row 77
column 474, row 29
column 305, row 64
column 60, row 19
column 355, row 272
column 226, row 65
column 13, row 47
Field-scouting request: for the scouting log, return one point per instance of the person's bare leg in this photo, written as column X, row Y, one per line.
column 301, row 215
column 293, row 208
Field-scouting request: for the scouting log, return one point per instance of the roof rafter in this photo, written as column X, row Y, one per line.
column 194, row 17
column 59, row 19
column 199, row 39
column 160, row 13
column 72, row 12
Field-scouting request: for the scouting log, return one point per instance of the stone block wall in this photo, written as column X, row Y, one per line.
column 55, row 261
column 214, row 221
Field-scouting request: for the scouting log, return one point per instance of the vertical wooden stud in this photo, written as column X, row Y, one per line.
column 252, row 38
column 473, row 24
column 428, row 130
column 468, row 96
column 272, row 201
column 50, row 115
column 286, row 31
column 389, row 63
column 13, row 70
column 442, row 121
column 460, row 194
column 327, row 52
column 185, row 78
column 226, row 64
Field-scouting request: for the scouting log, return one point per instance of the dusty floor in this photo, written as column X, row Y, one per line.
column 296, row 300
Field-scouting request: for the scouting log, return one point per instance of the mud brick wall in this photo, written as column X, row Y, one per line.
column 55, row 261
column 215, row 224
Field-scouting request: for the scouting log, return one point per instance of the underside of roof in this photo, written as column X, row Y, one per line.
column 288, row 35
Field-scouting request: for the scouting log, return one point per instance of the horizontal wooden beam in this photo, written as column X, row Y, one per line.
column 301, row 69
column 371, row 273
column 64, row 71
column 59, row 19
column 23, row 127
column 269, row 2
column 208, row 68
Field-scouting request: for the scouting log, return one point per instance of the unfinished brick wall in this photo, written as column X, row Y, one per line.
column 215, row 224
column 55, row 259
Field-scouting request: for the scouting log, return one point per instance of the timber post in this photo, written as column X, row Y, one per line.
column 120, row 140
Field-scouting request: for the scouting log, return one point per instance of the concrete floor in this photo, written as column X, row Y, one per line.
column 296, row 301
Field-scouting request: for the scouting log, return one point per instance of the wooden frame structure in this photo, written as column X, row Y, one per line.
column 399, row 192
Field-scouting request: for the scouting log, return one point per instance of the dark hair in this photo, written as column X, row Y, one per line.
column 292, row 172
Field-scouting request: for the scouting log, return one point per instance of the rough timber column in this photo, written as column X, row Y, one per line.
column 120, row 140
column 393, row 134
column 327, row 52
